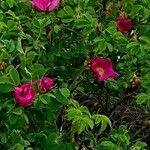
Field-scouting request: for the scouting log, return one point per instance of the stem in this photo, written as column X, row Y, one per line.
column 121, row 101
column 74, row 84
column 104, row 4
column 107, row 100
column 71, row 135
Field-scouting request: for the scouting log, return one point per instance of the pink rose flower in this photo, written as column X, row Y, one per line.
column 102, row 68
column 45, row 5
column 45, row 84
column 24, row 94
column 124, row 25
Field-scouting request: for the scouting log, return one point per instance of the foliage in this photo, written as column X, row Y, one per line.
column 120, row 140
column 60, row 44
column 81, row 118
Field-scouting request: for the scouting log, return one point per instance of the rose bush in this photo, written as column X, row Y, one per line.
column 74, row 74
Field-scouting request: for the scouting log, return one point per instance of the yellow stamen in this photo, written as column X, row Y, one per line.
column 100, row 70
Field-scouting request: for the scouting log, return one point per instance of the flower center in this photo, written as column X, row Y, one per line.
column 100, row 70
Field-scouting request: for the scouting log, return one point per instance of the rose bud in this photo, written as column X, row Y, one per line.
column 124, row 24
column 45, row 84
column 135, row 82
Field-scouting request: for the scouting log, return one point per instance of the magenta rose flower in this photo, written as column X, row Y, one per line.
column 124, row 24
column 45, row 84
column 24, row 94
column 102, row 68
column 45, row 5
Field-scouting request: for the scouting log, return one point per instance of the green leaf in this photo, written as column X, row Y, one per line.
column 3, row 138
column 18, row 111
column 10, row 3
column 136, row 9
column 146, row 13
column 119, row 37
column 5, row 88
column 66, row 14
column 11, row 24
column 37, row 71
column 13, row 119
column 45, row 99
column 30, row 57
column 80, row 120
column 73, row 103
column 26, row 118
column 4, row 80
column 68, row 10
column 142, row 98
column 19, row 46
column 101, row 42
column 14, row 75
column 65, row 92
column 102, row 120
column 111, row 28
column 107, row 145
column 139, row 146
column 44, row 22
column 57, row 28
column 60, row 97
column 83, row 123
column 61, row 146
column 81, row 23
column 86, row 21
column 110, row 47
column 29, row 148
column 54, row 137
column 73, row 113
column 145, row 39
column 2, row 25
column 132, row 45
column 19, row 146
